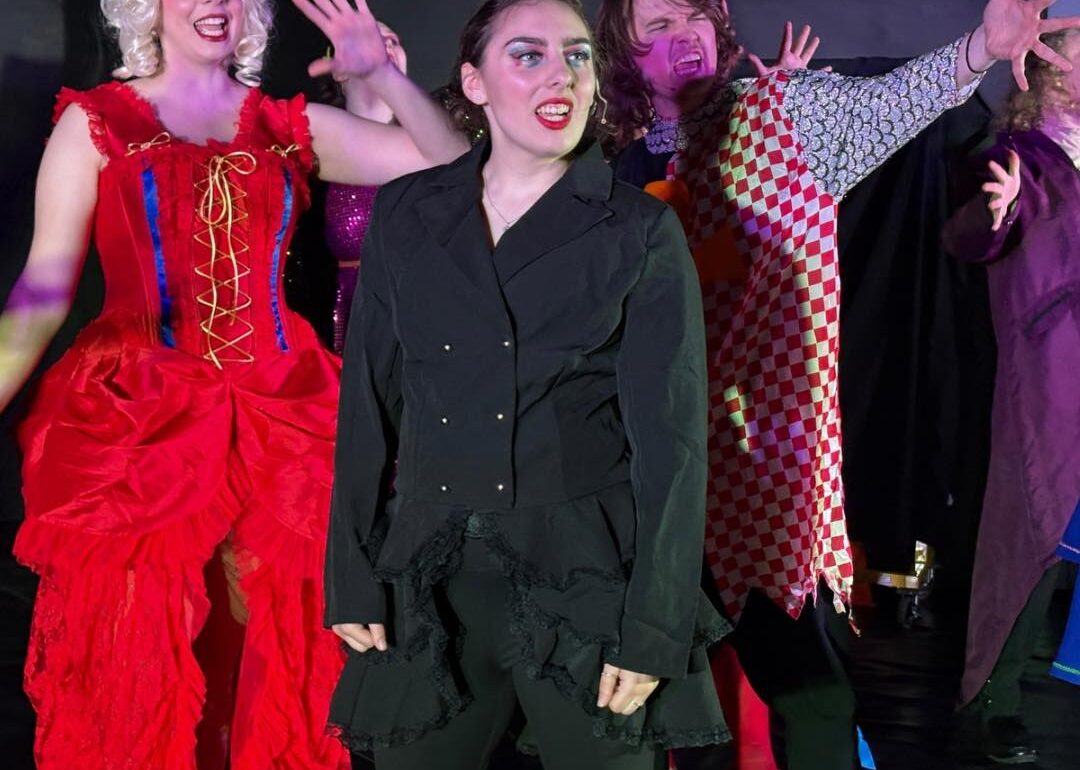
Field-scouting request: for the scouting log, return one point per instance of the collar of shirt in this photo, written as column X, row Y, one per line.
column 674, row 134
column 588, row 177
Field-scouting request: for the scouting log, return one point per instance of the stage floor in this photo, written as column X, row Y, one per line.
column 905, row 680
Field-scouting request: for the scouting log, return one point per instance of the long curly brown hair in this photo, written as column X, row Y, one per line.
column 469, row 117
column 627, row 93
column 1025, row 109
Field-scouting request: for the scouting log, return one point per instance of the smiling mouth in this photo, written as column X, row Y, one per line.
column 688, row 64
column 554, row 115
column 213, row 28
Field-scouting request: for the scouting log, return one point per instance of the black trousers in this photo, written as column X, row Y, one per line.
column 798, row 669
column 560, row 729
column 1000, row 696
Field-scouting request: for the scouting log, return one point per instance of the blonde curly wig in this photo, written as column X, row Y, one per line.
column 135, row 24
column 1025, row 108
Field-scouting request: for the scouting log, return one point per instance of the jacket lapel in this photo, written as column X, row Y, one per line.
column 572, row 206
column 452, row 216
column 455, row 223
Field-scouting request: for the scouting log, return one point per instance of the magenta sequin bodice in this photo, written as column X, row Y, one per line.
column 348, row 214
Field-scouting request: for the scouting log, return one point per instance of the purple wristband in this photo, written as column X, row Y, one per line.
column 29, row 296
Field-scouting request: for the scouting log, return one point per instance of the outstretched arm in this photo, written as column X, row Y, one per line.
column 63, row 210
column 357, row 151
column 848, row 126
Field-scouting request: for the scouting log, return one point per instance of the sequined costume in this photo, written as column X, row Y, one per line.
column 760, row 170
column 196, row 408
column 348, row 214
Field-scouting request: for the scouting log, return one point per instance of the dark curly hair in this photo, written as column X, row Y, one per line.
column 467, row 116
column 625, row 89
column 1024, row 110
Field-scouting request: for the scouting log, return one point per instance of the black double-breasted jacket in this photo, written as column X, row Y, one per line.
column 565, row 361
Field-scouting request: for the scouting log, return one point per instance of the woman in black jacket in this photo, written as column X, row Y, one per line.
column 527, row 345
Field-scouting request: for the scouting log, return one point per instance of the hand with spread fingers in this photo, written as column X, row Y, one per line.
column 362, row 638
column 624, row 692
column 1011, row 30
column 359, row 46
column 369, row 56
column 794, row 54
column 1004, row 190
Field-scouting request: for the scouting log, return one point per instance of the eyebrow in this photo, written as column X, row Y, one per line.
column 539, row 41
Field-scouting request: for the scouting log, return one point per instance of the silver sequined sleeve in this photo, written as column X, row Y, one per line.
column 849, row 126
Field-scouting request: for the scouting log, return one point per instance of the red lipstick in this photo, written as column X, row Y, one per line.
column 555, row 113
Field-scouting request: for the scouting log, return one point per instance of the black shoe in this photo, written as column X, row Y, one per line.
column 1005, row 742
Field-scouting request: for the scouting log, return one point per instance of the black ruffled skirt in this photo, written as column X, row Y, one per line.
column 568, row 566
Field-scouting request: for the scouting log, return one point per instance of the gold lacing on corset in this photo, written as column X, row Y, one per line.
column 224, row 299
column 284, row 151
column 158, row 141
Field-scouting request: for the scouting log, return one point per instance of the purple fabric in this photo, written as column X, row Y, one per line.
column 348, row 215
column 347, row 277
column 1033, row 270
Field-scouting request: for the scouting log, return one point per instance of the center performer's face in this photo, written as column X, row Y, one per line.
column 201, row 30
column 536, row 79
column 679, row 53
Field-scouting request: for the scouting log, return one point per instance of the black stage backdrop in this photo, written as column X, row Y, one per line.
column 917, row 350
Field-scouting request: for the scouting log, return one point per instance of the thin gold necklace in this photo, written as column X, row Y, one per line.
column 507, row 224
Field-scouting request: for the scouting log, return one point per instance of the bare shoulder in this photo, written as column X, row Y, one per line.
column 71, row 138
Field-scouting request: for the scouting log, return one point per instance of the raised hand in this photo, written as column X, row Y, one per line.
column 359, row 48
column 794, row 54
column 1013, row 29
column 1003, row 191
column 622, row 691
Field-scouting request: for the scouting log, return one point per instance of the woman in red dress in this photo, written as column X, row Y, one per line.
column 197, row 411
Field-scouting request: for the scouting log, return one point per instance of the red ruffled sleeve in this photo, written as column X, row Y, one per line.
column 87, row 101
column 281, row 124
column 301, row 131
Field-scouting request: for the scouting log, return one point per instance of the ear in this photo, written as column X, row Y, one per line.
column 472, row 85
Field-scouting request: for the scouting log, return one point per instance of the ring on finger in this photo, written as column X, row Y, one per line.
column 607, row 673
column 636, row 704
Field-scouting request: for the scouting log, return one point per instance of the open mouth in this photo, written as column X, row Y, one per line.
column 555, row 113
column 214, row 28
column 688, row 64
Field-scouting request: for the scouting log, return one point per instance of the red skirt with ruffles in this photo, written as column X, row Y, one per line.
column 139, row 460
